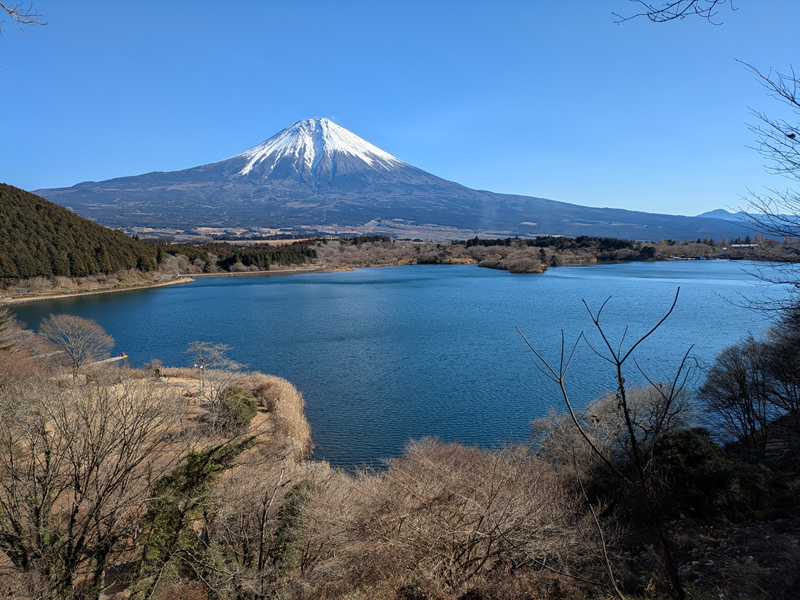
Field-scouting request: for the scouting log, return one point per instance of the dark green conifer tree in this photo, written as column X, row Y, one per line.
column 104, row 260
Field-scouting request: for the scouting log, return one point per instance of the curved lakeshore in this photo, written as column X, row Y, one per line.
column 62, row 294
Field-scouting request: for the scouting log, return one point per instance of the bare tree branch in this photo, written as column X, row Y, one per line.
column 637, row 449
column 778, row 141
column 24, row 17
column 559, row 379
column 776, row 212
column 676, row 10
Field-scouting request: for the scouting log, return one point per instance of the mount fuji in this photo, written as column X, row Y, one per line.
column 317, row 174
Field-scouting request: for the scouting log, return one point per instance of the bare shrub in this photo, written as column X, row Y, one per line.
column 527, row 265
column 18, row 366
column 15, row 338
column 651, row 417
column 470, row 506
column 63, row 283
column 687, row 249
column 186, row 590
column 603, row 421
column 442, row 517
column 267, row 393
column 153, row 368
column 40, row 284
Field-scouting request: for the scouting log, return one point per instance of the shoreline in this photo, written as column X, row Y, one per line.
column 310, row 269
column 10, row 300
column 24, row 299
column 188, row 278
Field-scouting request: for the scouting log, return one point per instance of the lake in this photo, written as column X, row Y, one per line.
column 384, row 355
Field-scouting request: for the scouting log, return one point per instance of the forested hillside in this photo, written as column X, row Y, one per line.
column 39, row 238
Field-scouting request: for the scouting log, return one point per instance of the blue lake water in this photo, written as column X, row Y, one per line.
column 388, row 354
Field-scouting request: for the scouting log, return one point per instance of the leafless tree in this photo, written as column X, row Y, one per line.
column 211, row 356
column 753, row 383
column 778, row 139
column 26, row 354
column 24, row 17
column 676, row 9
column 776, row 212
column 783, row 349
column 83, row 340
column 221, row 377
column 638, row 436
column 738, row 390
column 14, row 337
column 77, row 468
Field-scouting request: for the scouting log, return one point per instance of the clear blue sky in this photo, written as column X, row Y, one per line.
column 546, row 98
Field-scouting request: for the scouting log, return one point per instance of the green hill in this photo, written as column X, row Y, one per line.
column 38, row 237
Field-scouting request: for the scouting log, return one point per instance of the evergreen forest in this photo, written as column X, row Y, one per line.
column 39, row 238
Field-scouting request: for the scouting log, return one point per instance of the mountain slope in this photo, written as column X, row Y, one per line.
column 38, row 237
column 315, row 173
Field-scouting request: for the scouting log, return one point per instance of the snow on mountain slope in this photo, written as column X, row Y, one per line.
column 317, row 174
column 315, row 146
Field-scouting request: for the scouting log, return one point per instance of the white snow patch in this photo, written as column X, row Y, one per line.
column 308, row 142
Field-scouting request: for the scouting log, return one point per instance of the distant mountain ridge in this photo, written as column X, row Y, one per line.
column 315, row 173
column 721, row 213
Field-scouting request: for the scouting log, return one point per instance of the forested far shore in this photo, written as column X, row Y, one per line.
column 512, row 254
column 326, row 254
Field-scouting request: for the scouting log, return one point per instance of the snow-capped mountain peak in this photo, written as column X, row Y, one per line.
column 315, row 145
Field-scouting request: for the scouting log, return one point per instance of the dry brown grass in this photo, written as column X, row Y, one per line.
column 287, row 408
column 181, row 373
